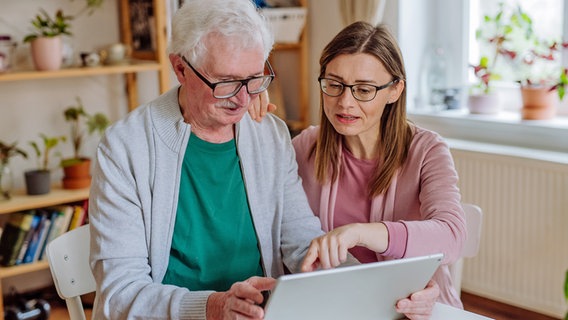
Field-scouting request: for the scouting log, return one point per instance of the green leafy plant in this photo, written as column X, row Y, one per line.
column 560, row 86
column 82, row 123
column 566, row 292
column 45, row 25
column 43, row 153
column 531, row 60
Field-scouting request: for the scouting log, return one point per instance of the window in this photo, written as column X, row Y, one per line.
column 451, row 24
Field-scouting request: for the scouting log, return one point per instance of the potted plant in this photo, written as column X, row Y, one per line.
column 482, row 98
column 7, row 151
column 531, row 60
column 77, row 169
column 38, row 181
column 566, row 292
column 45, row 38
column 46, row 43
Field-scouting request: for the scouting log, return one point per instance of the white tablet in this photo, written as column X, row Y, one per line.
column 367, row 291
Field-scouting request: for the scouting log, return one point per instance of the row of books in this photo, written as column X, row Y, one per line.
column 26, row 233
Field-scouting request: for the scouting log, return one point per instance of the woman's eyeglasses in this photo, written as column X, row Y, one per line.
column 361, row 92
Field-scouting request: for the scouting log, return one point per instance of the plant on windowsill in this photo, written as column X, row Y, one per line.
column 77, row 169
column 482, row 98
column 7, row 151
column 38, row 181
column 566, row 292
column 531, row 60
column 45, row 38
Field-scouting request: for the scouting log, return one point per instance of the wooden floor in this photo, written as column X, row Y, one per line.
column 497, row 310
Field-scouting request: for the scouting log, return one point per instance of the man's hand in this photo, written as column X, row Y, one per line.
column 260, row 106
column 241, row 301
column 420, row 304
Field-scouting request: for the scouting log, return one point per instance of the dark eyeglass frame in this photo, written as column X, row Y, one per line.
column 352, row 86
column 242, row 82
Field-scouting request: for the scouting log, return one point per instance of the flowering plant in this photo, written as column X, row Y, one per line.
column 484, row 75
column 529, row 59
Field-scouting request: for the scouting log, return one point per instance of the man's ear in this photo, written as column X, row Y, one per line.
column 178, row 67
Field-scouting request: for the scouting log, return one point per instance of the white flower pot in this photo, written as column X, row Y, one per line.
column 483, row 103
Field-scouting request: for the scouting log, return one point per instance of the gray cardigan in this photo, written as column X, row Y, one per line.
column 133, row 202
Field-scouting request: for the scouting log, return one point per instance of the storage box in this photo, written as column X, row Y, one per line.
column 287, row 23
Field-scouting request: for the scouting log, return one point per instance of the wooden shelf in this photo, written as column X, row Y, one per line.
column 131, row 67
column 301, row 110
column 20, row 201
column 287, row 46
column 7, row 272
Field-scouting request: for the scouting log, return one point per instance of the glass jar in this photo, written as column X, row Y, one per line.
column 433, row 79
column 6, row 182
column 7, row 52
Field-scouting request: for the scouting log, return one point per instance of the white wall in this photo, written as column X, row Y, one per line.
column 324, row 22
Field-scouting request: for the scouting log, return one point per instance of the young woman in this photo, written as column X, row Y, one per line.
column 382, row 187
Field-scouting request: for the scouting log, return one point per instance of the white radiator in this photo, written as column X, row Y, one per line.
column 523, row 255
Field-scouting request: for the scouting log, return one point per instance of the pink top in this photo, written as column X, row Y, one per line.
column 354, row 204
column 421, row 208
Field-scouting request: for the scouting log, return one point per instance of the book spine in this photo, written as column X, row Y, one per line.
column 13, row 236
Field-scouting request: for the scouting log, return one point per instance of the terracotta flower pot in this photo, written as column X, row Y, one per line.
column 538, row 103
column 47, row 53
column 77, row 176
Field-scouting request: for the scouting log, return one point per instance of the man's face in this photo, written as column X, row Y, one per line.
column 223, row 63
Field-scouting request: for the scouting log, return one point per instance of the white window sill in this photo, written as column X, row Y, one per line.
column 505, row 128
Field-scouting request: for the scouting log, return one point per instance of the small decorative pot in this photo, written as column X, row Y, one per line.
column 47, row 53
column 483, row 103
column 38, row 182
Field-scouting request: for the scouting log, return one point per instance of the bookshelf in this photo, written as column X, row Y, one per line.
column 155, row 61
column 21, row 202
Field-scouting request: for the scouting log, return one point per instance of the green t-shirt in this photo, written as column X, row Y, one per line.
column 214, row 242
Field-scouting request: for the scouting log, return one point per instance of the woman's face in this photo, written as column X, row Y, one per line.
column 349, row 116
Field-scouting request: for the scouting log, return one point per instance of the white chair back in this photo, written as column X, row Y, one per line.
column 473, row 222
column 68, row 257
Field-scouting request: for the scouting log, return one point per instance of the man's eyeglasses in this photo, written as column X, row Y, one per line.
column 361, row 92
column 229, row 88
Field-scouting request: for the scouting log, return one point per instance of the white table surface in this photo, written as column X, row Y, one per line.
column 445, row 312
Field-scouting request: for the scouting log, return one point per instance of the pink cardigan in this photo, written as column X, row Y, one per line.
column 423, row 198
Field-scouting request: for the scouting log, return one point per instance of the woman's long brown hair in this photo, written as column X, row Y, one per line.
column 395, row 130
